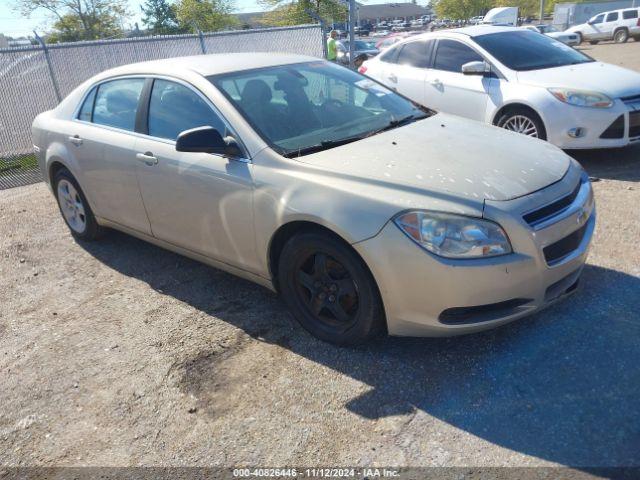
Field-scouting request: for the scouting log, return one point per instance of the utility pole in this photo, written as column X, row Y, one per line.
column 352, row 21
column 541, row 11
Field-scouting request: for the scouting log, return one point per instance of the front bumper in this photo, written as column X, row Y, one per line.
column 424, row 295
column 560, row 119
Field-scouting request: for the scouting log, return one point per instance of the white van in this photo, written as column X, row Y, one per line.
column 616, row 25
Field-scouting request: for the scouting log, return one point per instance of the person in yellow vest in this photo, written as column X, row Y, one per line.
column 332, row 46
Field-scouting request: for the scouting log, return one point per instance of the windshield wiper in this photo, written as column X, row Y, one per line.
column 323, row 145
column 327, row 144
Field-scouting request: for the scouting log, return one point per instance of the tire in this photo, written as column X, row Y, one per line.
column 621, row 36
column 329, row 289
column 512, row 118
column 594, row 42
column 74, row 208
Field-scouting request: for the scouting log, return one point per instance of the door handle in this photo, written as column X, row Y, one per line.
column 76, row 140
column 393, row 78
column 147, row 158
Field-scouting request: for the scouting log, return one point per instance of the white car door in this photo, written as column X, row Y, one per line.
column 611, row 21
column 406, row 72
column 448, row 89
column 593, row 28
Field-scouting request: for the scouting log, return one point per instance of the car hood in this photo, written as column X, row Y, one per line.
column 559, row 34
column 446, row 153
column 609, row 79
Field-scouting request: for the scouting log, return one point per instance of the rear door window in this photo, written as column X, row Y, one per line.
column 612, row 17
column 415, row 54
column 86, row 111
column 451, row 55
column 116, row 103
column 174, row 108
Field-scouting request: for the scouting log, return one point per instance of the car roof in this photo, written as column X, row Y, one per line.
column 473, row 31
column 211, row 64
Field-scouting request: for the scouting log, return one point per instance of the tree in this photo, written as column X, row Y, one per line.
column 462, row 9
column 160, row 16
column 205, row 15
column 80, row 19
column 296, row 12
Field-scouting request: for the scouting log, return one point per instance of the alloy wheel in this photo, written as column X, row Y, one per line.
column 327, row 290
column 72, row 207
column 521, row 124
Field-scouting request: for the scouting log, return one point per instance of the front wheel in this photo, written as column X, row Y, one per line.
column 74, row 207
column 521, row 120
column 594, row 42
column 329, row 289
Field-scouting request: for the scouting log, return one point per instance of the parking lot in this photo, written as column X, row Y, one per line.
column 119, row 353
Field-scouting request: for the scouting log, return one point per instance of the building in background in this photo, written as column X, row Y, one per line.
column 365, row 15
column 568, row 14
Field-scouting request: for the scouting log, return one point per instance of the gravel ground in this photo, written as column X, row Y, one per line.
column 118, row 353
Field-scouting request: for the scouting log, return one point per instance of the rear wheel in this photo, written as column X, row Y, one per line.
column 329, row 289
column 74, row 207
column 621, row 36
column 524, row 121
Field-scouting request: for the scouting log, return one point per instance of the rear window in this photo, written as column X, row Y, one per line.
column 612, row 17
column 627, row 14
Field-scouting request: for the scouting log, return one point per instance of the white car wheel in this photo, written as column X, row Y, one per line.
column 521, row 124
column 621, row 36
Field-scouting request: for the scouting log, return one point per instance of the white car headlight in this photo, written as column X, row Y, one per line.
column 454, row 236
column 581, row 98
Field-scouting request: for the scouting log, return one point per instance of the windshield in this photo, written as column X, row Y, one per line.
column 526, row 50
column 306, row 107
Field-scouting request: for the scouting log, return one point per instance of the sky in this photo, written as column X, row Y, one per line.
column 13, row 24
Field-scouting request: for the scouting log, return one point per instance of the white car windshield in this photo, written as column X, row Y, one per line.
column 526, row 50
column 307, row 107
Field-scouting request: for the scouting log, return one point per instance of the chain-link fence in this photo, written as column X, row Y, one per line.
column 34, row 79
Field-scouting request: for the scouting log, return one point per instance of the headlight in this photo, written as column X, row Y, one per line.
column 582, row 98
column 454, row 236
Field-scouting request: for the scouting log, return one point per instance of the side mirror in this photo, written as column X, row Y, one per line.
column 476, row 68
column 207, row 140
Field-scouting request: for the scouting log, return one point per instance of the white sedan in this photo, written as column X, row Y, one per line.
column 518, row 80
column 568, row 38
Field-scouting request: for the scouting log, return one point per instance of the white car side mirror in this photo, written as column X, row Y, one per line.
column 476, row 68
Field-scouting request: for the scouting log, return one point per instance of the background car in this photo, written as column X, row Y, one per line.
column 363, row 51
column 616, row 25
column 361, row 31
column 568, row 38
column 319, row 183
column 519, row 80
